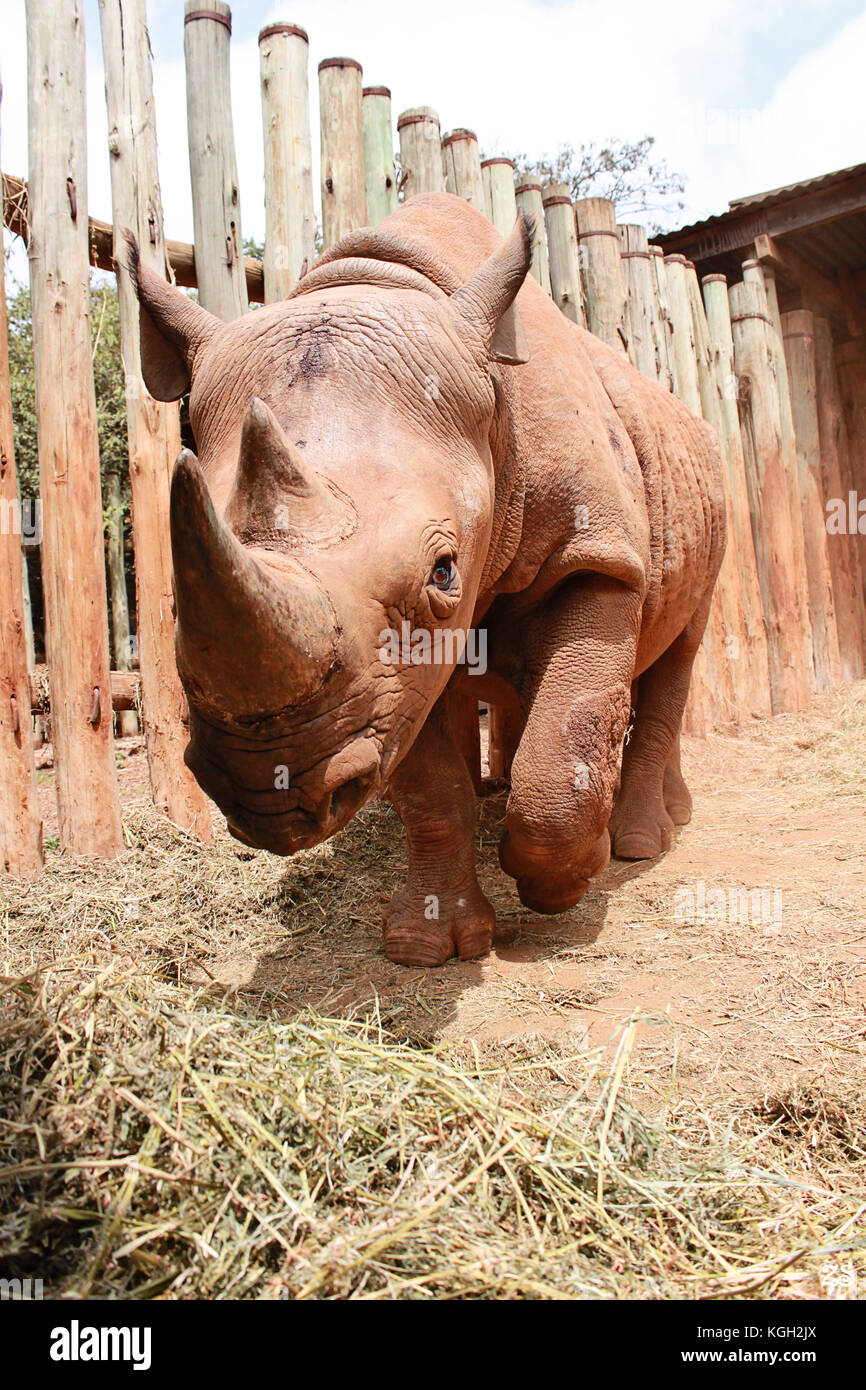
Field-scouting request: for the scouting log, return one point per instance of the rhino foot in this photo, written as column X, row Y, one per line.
column 464, row 927
column 677, row 797
column 544, row 883
column 641, row 832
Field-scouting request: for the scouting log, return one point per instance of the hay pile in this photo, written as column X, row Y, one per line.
column 163, row 1139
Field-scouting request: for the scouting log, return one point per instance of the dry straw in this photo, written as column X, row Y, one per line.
column 162, row 1138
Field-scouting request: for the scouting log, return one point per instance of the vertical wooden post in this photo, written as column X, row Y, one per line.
column 421, row 166
column 727, row 619
column 788, row 639
column 798, row 338
column 153, row 427
column 753, row 273
column 28, row 612
column 528, row 196
column 290, row 221
column 126, row 720
column 639, row 274
column 700, row 708
column 73, row 570
column 380, row 178
column 842, row 382
column 216, row 206
column 708, row 388
column 682, row 337
column 500, row 204
column 562, row 251
column 664, row 326
column 757, row 684
column 504, row 728
column 851, row 367
column 466, row 732
column 20, row 822
column 344, row 194
column 463, row 167
column 604, row 291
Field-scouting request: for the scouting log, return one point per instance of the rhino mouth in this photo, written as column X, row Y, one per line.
column 287, row 832
column 282, row 813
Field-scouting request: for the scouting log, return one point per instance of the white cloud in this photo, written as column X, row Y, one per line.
column 525, row 76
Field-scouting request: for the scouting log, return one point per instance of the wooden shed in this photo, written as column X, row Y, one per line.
column 811, row 237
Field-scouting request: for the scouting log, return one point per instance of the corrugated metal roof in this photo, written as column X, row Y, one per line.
column 793, row 190
column 754, row 201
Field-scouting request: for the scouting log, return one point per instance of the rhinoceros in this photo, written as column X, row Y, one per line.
column 418, row 441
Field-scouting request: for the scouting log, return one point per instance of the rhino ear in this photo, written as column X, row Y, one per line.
column 172, row 328
column 486, row 301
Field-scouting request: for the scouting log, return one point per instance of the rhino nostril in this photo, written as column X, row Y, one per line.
column 349, row 795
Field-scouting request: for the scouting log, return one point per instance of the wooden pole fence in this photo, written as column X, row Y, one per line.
column 727, row 619
column 799, row 343
column 463, row 167
column 529, row 198
column 20, row 821
column 640, row 305
column 842, row 397
column 153, row 427
column 754, row 686
column 100, row 242
column 344, row 192
column 604, row 289
column 73, row 572
column 753, row 273
column 290, row 219
column 500, row 203
column 422, row 169
column 664, row 347
column 379, row 174
column 562, row 252
column 788, row 641
column 216, row 205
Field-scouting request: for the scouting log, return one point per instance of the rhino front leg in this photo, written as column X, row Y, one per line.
column 442, row 911
column 653, row 798
column 580, row 656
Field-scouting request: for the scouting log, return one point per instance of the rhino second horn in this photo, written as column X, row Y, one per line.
column 277, row 496
column 486, row 301
column 250, row 640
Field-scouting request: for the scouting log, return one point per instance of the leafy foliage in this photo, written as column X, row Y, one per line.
column 107, row 380
column 626, row 172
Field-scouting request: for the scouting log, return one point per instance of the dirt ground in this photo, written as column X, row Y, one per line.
column 738, row 996
column 713, row 1001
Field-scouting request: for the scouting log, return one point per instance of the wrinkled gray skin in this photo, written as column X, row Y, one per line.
column 366, row 459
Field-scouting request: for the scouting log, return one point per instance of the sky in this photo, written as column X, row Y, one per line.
column 740, row 95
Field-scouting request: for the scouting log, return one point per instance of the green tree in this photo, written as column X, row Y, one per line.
column 107, row 380
column 626, row 172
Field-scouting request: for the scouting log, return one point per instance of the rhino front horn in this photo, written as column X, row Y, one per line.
column 251, row 639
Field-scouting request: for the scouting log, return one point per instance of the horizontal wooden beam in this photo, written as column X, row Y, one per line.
column 737, row 230
column 101, row 237
column 837, row 295
column 125, row 690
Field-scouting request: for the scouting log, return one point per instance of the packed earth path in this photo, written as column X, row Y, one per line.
column 740, row 954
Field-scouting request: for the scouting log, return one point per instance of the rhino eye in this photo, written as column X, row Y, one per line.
column 443, row 572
